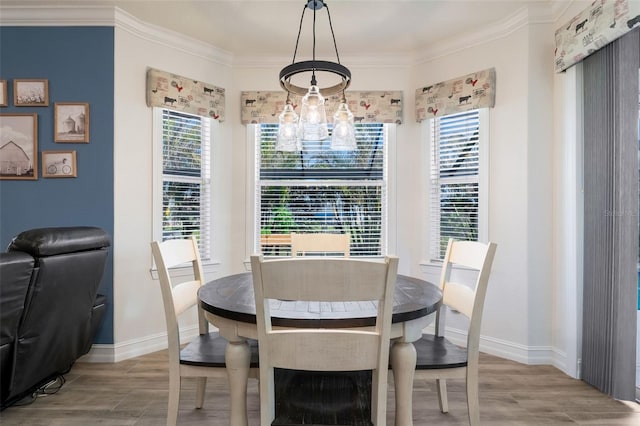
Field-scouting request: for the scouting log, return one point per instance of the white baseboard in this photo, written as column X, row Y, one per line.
column 133, row 348
column 530, row 355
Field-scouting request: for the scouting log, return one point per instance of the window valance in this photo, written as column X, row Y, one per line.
column 367, row 107
column 472, row 91
column 166, row 90
column 595, row 27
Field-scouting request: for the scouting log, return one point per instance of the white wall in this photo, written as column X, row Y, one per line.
column 139, row 325
column 520, row 184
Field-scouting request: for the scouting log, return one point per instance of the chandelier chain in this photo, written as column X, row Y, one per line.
column 295, row 52
column 335, row 45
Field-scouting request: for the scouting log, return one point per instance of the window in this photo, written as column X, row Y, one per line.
column 321, row 190
column 185, row 207
column 456, row 179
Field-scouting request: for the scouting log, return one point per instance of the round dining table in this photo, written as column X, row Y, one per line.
column 229, row 304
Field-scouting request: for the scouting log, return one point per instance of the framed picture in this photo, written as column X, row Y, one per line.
column 71, row 122
column 19, row 146
column 59, row 164
column 4, row 98
column 31, row 92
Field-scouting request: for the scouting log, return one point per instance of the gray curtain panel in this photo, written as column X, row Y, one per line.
column 611, row 217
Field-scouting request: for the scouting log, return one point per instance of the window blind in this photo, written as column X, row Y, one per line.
column 321, row 190
column 186, row 185
column 454, row 179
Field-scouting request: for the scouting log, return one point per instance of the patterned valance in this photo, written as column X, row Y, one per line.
column 476, row 90
column 598, row 25
column 367, row 107
column 179, row 93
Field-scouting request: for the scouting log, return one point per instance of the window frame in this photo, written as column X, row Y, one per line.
column 252, row 228
column 157, row 191
column 483, row 184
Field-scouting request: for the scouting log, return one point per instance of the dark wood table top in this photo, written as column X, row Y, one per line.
column 232, row 297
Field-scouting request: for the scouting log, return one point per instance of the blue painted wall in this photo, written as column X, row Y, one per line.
column 79, row 64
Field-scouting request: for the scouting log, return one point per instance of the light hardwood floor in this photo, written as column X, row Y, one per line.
column 134, row 392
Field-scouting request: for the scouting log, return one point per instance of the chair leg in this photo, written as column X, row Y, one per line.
column 174, row 399
column 267, row 396
column 473, row 404
column 201, row 387
column 379, row 398
column 441, row 384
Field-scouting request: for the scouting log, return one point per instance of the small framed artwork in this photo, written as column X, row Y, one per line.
column 71, row 122
column 19, row 146
column 4, row 98
column 31, row 92
column 59, row 164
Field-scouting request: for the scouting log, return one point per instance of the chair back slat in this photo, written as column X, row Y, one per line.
column 459, row 297
column 177, row 252
column 314, row 350
column 315, row 243
column 323, row 279
column 470, row 254
column 185, row 295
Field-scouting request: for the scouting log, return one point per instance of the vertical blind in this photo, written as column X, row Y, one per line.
column 609, row 321
column 454, row 176
column 186, row 184
column 321, row 190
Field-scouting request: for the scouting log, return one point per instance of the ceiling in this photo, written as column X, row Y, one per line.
column 362, row 27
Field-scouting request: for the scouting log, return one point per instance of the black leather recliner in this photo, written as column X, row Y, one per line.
column 49, row 307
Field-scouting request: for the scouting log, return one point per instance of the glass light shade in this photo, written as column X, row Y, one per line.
column 313, row 117
column 287, row 130
column 343, row 137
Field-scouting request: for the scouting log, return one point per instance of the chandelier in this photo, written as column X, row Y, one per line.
column 311, row 124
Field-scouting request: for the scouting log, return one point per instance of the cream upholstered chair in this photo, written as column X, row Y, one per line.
column 315, row 243
column 324, row 279
column 204, row 356
column 439, row 359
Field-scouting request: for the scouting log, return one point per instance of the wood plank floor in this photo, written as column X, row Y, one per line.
column 134, row 392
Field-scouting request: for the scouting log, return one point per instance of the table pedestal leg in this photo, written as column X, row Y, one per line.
column 403, row 363
column 238, row 358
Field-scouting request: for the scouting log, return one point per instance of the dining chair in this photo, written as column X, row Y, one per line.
column 320, row 243
column 324, row 279
column 204, row 355
column 437, row 357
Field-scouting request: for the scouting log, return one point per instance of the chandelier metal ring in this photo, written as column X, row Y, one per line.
column 315, row 66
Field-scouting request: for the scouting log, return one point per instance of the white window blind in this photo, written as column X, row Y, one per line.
column 454, row 179
column 186, row 182
column 321, row 190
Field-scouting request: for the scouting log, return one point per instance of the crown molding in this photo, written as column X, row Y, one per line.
column 75, row 16
column 532, row 14
column 171, row 39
